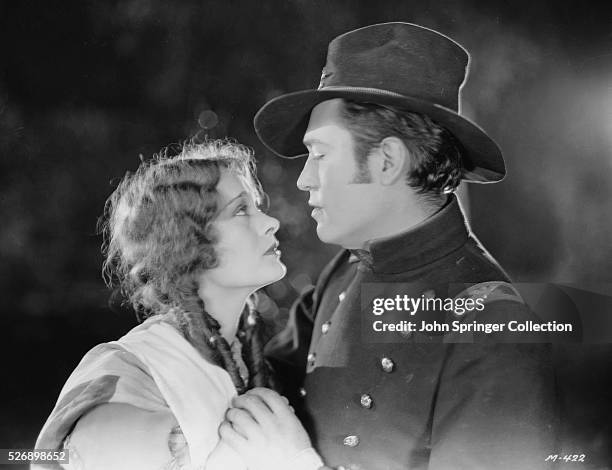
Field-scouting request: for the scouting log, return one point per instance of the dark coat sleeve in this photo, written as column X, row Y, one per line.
column 287, row 351
column 496, row 404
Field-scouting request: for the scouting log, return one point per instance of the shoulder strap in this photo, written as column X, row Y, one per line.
column 489, row 292
column 492, row 291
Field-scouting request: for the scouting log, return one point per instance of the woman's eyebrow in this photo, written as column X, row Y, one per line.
column 241, row 195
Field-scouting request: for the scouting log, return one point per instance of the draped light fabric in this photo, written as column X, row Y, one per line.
column 153, row 368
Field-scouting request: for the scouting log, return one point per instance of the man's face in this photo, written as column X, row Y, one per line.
column 344, row 210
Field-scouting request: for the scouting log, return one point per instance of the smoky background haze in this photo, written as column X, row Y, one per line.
column 87, row 88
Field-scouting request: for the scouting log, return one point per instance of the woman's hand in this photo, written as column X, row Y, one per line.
column 263, row 429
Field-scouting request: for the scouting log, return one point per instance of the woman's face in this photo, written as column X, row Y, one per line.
column 246, row 248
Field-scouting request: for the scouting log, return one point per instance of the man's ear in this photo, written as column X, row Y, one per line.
column 395, row 160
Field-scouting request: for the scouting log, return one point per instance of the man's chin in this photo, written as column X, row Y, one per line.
column 341, row 239
column 327, row 236
column 323, row 234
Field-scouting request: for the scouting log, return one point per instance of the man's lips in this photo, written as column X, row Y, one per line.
column 316, row 209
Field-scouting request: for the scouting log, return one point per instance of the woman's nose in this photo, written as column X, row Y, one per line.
column 272, row 224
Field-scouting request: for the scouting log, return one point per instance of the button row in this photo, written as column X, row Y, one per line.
column 311, row 359
column 324, row 330
column 365, row 400
column 386, row 363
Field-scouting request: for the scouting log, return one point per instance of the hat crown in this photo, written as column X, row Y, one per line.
column 390, row 64
column 401, row 58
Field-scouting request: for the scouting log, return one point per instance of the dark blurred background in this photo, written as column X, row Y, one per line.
column 87, row 88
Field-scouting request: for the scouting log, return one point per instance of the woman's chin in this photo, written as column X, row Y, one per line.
column 268, row 272
column 279, row 272
column 283, row 270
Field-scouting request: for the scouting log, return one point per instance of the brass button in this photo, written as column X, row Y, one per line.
column 341, row 296
column 351, row 441
column 311, row 359
column 366, row 401
column 387, row 364
column 302, row 391
column 325, row 327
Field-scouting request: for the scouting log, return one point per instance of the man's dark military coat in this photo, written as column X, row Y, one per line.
column 418, row 402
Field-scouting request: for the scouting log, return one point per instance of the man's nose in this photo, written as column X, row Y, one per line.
column 308, row 178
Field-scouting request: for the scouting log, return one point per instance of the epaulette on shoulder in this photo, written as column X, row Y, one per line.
column 492, row 291
column 489, row 292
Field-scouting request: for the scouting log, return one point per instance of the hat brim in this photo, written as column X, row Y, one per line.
column 282, row 122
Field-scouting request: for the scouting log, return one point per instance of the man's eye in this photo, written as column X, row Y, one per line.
column 317, row 156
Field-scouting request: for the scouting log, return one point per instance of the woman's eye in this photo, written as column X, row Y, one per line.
column 242, row 210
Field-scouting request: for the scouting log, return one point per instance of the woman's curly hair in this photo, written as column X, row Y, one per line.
column 159, row 234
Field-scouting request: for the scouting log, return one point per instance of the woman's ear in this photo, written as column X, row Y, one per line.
column 395, row 160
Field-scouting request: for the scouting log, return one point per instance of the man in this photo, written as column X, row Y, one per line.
column 387, row 147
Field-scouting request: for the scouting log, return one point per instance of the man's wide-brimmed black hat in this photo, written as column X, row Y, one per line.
column 397, row 64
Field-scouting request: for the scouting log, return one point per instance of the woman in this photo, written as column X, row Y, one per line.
column 186, row 240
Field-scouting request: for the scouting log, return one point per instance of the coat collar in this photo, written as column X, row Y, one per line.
column 435, row 237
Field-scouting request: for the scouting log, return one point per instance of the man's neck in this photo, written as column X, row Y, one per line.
column 401, row 218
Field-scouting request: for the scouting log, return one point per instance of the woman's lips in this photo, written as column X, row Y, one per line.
column 273, row 250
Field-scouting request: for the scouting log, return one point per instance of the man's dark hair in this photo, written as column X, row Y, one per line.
column 436, row 165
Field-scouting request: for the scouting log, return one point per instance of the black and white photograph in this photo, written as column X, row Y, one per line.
column 306, row 235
